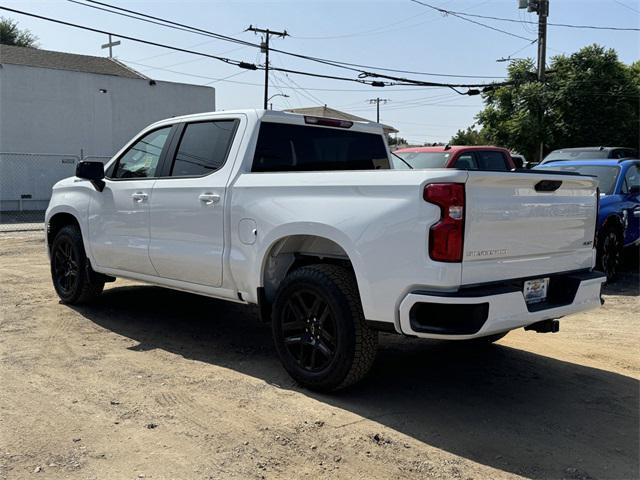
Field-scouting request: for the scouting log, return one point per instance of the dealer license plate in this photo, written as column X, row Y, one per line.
column 536, row 290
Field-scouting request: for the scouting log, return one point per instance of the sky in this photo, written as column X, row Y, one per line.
column 397, row 34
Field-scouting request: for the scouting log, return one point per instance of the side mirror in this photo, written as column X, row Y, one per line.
column 92, row 171
column 634, row 190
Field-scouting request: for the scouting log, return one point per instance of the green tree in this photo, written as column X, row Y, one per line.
column 395, row 141
column 589, row 98
column 470, row 136
column 10, row 34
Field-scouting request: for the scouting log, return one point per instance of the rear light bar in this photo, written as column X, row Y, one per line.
column 446, row 238
column 328, row 122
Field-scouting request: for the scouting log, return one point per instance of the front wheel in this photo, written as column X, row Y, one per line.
column 73, row 279
column 319, row 328
column 608, row 253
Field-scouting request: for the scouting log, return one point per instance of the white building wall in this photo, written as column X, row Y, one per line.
column 47, row 111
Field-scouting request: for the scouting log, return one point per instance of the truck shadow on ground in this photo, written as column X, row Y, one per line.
column 498, row 406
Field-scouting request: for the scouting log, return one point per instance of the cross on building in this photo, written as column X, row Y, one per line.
column 110, row 46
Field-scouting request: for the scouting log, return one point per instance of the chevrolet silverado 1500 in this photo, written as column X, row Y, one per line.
column 304, row 217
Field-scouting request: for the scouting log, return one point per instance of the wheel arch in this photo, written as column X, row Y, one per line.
column 57, row 222
column 294, row 249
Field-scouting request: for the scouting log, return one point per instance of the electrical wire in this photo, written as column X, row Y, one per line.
column 461, row 17
column 513, row 20
column 180, row 26
column 627, row 6
column 237, row 63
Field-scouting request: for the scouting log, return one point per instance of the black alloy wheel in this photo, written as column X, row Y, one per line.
column 73, row 278
column 309, row 329
column 65, row 266
column 610, row 250
column 319, row 329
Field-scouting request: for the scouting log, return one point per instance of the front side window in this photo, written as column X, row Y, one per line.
column 631, row 178
column 141, row 160
column 291, row 148
column 203, row 148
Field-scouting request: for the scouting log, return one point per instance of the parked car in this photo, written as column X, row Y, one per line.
column 619, row 214
column 303, row 217
column 460, row 157
column 590, row 153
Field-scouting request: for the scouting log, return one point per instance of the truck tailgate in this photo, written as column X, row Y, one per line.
column 518, row 227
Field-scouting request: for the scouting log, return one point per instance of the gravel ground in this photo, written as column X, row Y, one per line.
column 150, row 383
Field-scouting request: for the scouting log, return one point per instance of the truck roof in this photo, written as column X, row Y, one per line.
column 279, row 117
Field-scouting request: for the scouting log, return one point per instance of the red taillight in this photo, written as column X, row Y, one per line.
column 446, row 237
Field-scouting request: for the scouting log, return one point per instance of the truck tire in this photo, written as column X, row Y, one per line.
column 319, row 329
column 608, row 252
column 73, row 278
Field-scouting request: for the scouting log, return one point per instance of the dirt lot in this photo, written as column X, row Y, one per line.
column 150, row 383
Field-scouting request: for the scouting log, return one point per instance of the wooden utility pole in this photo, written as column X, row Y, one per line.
column 377, row 102
column 541, row 7
column 264, row 47
column 543, row 13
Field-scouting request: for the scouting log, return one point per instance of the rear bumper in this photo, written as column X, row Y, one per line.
column 497, row 307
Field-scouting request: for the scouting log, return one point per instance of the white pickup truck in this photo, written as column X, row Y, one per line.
column 304, row 217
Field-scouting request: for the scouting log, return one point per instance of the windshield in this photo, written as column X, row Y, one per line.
column 575, row 155
column 422, row 159
column 607, row 175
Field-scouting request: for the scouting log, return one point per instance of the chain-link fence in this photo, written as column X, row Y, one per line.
column 26, row 180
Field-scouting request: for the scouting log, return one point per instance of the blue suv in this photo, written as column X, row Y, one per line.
column 619, row 215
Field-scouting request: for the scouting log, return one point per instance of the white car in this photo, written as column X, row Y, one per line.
column 302, row 216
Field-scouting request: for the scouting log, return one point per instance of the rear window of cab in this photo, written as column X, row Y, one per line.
column 293, row 148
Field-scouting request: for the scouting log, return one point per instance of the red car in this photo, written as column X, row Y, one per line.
column 461, row 157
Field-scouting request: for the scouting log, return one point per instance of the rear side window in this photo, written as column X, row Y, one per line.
column 203, row 148
column 291, row 148
column 488, row 160
column 466, row 162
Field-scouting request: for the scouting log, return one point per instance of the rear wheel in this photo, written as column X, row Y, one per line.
column 73, row 279
column 319, row 329
column 608, row 253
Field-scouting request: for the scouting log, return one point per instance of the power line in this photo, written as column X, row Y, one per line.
column 183, row 27
column 462, row 17
column 238, row 63
column 350, row 90
column 627, row 6
column 513, row 20
column 126, row 37
column 362, row 77
column 303, row 90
